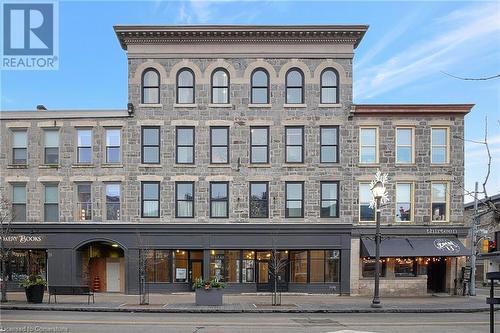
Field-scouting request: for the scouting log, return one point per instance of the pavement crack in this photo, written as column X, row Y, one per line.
column 198, row 329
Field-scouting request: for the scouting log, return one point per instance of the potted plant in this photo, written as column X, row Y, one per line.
column 34, row 287
column 208, row 292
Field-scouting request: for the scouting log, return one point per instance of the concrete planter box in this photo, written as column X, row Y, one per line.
column 210, row 296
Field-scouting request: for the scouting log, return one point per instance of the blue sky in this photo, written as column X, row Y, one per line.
column 400, row 60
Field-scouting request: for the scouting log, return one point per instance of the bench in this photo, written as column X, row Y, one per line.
column 71, row 290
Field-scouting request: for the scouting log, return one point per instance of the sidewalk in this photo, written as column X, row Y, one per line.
column 251, row 303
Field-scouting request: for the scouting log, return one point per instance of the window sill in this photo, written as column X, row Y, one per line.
column 49, row 166
column 368, row 165
column 112, row 165
column 259, row 165
column 228, row 105
column 440, row 165
column 406, row 164
column 219, row 165
column 17, row 166
column 152, row 105
column 176, row 105
column 142, row 165
column 181, row 165
column 260, row 105
column 329, row 165
column 295, row 105
column 327, row 105
column 294, row 165
column 440, row 222
column 82, row 166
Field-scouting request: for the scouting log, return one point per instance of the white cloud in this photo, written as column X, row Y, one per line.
column 457, row 41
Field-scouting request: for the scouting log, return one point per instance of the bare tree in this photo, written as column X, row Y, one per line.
column 277, row 264
column 143, row 272
column 6, row 218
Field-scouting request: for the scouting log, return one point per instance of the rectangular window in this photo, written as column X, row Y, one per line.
column 180, row 265
column 219, row 145
column 324, row 266
column 368, row 267
column 19, row 203
column 84, row 197
column 23, row 263
column 225, row 266
column 329, row 144
column 158, row 264
column 51, row 204
column 84, row 149
column 405, row 267
column 51, row 150
column 184, row 199
column 404, row 145
column 151, row 145
column 294, row 199
column 259, row 200
column 184, row 140
column 298, row 266
column 329, row 199
column 368, row 145
column 294, row 152
column 404, row 200
column 439, row 146
column 219, row 199
column 259, row 145
column 20, row 147
column 248, row 273
column 366, row 213
column 113, row 199
column 150, row 199
column 113, row 145
column 439, row 202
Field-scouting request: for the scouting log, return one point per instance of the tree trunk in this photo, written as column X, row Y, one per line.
column 4, row 282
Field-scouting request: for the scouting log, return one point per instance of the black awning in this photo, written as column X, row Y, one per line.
column 415, row 247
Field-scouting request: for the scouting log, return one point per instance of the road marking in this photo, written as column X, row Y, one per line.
column 239, row 323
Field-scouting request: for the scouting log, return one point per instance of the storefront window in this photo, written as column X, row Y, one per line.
column 332, row 266
column 368, row 267
column 248, row 275
column 27, row 262
column 158, row 266
column 298, row 266
column 317, row 266
column 225, row 265
column 405, row 267
column 180, row 266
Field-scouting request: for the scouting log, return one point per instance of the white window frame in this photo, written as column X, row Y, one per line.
column 359, row 204
column 377, row 145
column 447, row 146
column 412, row 200
column 412, row 145
column 447, row 201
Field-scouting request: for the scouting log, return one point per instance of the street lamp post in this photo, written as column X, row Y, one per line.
column 379, row 195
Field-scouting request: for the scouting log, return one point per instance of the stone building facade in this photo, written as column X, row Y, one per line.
column 177, row 106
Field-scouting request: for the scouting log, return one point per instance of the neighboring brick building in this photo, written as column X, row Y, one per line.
column 237, row 140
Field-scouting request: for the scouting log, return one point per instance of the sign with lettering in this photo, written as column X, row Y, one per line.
column 447, row 245
column 441, row 231
column 180, row 273
column 22, row 239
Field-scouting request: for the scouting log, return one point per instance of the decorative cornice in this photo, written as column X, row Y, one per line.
column 151, row 34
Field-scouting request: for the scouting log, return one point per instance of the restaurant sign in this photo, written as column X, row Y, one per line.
column 447, row 245
column 441, row 231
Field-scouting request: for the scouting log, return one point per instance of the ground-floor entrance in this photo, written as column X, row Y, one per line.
column 436, row 275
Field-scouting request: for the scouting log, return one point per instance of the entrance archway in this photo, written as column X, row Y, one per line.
column 101, row 266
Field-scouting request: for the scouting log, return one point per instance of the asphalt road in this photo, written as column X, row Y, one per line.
column 86, row 322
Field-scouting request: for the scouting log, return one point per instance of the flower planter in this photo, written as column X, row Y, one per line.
column 34, row 294
column 211, row 296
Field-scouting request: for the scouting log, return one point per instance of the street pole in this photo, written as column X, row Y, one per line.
column 472, row 287
column 376, row 289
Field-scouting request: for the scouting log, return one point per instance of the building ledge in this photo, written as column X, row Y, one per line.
column 260, row 105
column 295, row 106
column 398, row 109
column 189, row 106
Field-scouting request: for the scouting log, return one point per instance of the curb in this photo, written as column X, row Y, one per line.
column 212, row 310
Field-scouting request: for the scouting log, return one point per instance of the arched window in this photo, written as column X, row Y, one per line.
column 294, row 86
column 260, row 87
column 185, row 86
column 150, row 86
column 329, row 86
column 220, row 86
